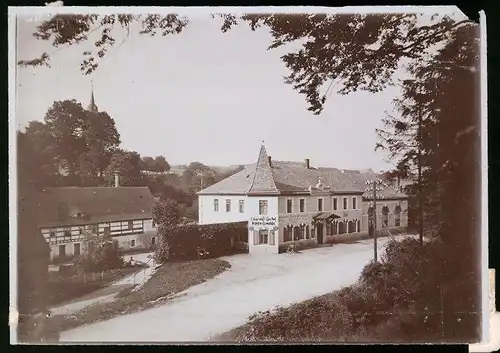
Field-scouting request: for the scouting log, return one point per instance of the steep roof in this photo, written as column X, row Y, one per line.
column 58, row 206
column 295, row 177
column 263, row 179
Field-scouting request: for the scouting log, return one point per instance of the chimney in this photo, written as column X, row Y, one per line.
column 117, row 179
column 307, row 163
column 269, row 160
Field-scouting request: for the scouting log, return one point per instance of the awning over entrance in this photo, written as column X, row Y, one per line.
column 325, row 216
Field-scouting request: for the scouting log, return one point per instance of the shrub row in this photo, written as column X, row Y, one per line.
column 180, row 242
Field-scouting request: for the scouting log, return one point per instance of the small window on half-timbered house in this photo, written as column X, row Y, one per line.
column 107, row 231
column 130, row 225
column 67, row 233
column 52, row 233
column 132, row 243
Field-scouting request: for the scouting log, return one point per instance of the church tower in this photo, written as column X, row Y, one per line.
column 92, row 106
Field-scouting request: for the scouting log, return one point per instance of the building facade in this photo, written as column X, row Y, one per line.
column 74, row 220
column 306, row 205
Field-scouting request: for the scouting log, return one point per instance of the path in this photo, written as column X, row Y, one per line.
column 109, row 292
column 254, row 283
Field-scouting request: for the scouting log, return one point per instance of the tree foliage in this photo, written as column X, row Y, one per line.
column 128, row 165
column 356, row 51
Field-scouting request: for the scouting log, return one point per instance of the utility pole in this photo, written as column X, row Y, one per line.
column 374, row 185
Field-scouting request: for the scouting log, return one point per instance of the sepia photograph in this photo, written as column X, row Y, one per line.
column 247, row 175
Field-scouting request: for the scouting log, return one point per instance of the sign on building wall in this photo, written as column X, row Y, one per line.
column 263, row 222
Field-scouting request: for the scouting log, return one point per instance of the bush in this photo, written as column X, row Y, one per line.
column 180, row 242
column 105, row 257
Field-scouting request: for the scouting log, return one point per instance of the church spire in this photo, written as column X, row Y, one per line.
column 92, row 106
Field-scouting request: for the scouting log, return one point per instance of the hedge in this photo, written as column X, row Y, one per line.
column 180, row 242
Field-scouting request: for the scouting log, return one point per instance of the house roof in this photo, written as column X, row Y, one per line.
column 294, row 177
column 58, row 206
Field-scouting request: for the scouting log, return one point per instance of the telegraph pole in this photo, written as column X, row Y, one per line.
column 373, row 186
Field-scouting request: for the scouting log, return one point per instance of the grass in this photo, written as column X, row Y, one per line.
column 168, row 280
column 66, row 288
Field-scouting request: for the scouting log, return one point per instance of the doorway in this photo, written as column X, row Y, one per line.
column 319, row 233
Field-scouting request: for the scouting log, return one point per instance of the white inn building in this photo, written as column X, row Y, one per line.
column 311, row 204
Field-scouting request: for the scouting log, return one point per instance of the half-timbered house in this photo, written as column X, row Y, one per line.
column 74, row 219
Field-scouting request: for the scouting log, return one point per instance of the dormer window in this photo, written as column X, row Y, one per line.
column 79, row 215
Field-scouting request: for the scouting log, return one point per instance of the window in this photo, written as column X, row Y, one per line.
column 107, row 231
column 342, row 227
column 344, row 206
column 397, row 216
column 62, row 251
column 385, row 216
column 272, row 237
column 263, row 207
column 302, row 205
column 80, row 231
column 130, row 225
column 77, row 250
column 79, row 215
column 333, row 228
column 296, row 233
column 307, row 232
column 153, row 240
column 132, row 243
column 52, row 233
column 94, row 228
column 351, row 227
column 263, row 236
column 242, row 206
column 335, row 206
column 228, row 205
column 320, row 204
column 287, row 234
column 289, row 205
column 354, row 203
column 67, row 233
column 216, row 205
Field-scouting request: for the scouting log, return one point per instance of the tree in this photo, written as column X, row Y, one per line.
column 148, row 164
column 166, row 213
column 73, row 140
column 161, row 164
column 128, row 164
column 197, row 176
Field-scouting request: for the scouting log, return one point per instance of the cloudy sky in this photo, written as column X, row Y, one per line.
column 205, row 96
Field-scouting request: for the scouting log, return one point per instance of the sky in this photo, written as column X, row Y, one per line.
column 205, row 96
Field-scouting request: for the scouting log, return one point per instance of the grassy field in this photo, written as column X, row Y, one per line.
column 170, row 279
